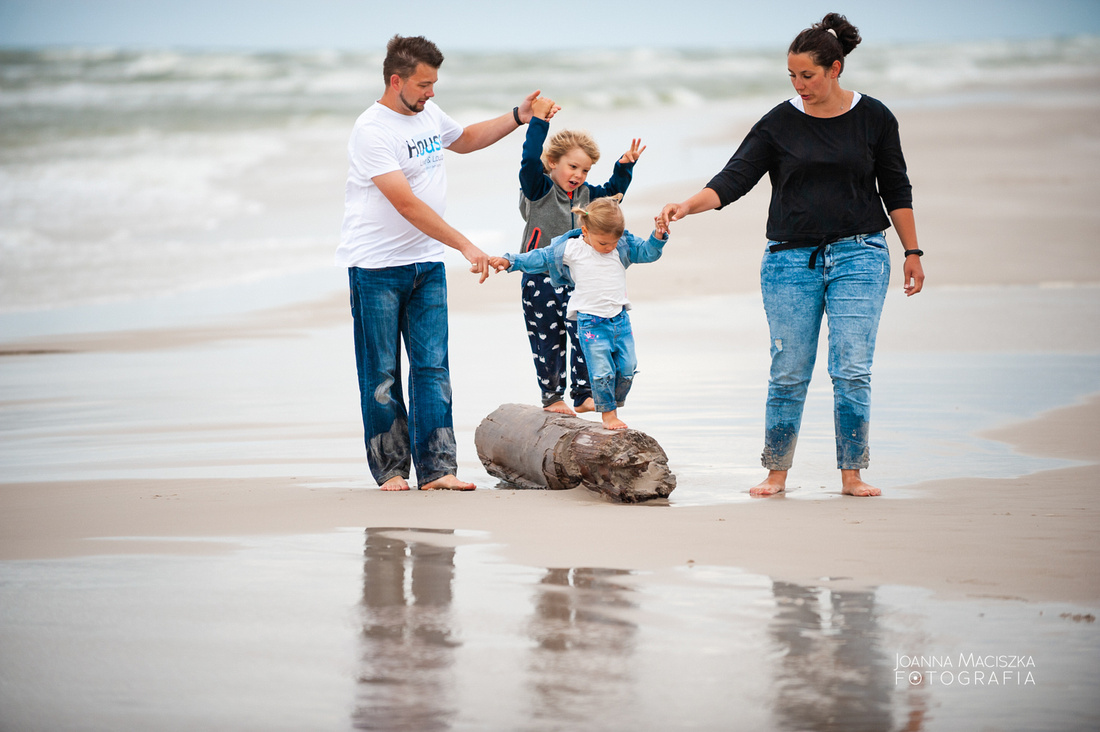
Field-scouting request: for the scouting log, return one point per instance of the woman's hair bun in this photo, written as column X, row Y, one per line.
column 828, row 41
column 846, row 33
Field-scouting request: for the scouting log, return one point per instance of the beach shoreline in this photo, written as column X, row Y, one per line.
column 959, row 538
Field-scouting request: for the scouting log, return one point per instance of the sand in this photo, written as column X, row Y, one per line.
column 1005, row 210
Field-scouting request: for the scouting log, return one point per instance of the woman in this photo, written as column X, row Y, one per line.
column 835, row 162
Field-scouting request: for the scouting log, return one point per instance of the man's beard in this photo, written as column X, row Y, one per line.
column 414, row 108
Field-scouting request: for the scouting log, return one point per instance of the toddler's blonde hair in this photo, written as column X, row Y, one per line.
column 603, row 215
column 567, row 140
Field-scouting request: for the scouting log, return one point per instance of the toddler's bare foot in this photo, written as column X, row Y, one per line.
column 775, row 483
column 588, row 405
column 448, row 483
column 612, row 422
column 560, row 408
column 396, row 483
column 853, row 485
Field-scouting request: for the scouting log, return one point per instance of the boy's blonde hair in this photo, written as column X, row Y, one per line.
column 603, row 215
column 567, row 140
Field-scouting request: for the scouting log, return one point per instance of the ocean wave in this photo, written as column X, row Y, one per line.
column 640, row 78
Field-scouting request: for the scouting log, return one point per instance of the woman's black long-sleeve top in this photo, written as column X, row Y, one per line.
column 830, row 176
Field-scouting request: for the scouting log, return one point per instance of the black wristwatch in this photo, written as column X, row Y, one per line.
column 918, row 252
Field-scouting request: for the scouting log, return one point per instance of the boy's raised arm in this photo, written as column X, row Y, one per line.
column 635, row 151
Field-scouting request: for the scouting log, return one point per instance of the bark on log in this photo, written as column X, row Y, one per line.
column 532, row 448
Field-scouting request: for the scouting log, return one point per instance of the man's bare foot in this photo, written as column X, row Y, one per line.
column 853, row 485
column 560, row 408
column 774, row 484
column 448, row 483
column 611, row 421
column 396, row 483
column 588, row 405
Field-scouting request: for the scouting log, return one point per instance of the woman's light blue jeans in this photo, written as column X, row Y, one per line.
column 847, row 285
column 389, row 305
column 608, row 348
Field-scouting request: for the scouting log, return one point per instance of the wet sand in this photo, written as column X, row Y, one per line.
column 196, row 439
column 1028, row 538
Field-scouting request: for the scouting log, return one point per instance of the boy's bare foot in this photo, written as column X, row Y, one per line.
column 448, row 483
column 396, row 483
column 774, row 484
column 560, row 408
column 588, row 405
column 853, row 485
column 611, row 421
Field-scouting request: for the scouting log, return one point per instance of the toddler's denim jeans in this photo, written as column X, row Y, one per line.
column 608, row 347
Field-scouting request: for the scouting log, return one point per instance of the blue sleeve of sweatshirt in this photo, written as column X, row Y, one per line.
column 620, row 179
column 533, row 180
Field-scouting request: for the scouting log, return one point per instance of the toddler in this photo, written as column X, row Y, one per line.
column 590, row 264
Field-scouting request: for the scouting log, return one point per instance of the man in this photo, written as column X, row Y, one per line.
column 392, row 244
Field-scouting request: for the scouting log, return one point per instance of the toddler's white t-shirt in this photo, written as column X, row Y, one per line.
column 599, row 281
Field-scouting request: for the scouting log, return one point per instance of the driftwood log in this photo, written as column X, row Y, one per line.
column 532, row 448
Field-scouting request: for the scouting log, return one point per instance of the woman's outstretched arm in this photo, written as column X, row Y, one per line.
column 705, row 200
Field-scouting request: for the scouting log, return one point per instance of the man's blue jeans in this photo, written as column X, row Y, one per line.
column 390, row 305
column 847, row 285
column 608, row 347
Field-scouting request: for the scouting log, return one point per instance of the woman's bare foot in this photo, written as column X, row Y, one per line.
column 448, row 483
column 774, row 484
column 611, row 421
column 588, row 405
column 396, row 483
column 853, row 485
column 560, row 408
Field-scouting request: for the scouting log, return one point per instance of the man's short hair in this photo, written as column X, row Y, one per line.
column 405, row 53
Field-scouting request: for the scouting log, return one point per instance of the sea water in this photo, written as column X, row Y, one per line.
column 129, row 174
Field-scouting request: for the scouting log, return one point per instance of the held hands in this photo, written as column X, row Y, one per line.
column 527, row 108
column 482, row 264
column 479, row 261
column 544, row 108
column 635, row 152
column 669, row 213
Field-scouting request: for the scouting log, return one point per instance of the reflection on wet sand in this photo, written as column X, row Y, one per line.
column 832, row 674
column 579, row 660
column 406, row 681
column 582, row 660
column 454, row 639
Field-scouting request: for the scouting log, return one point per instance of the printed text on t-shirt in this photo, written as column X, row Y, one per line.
column 424, row 146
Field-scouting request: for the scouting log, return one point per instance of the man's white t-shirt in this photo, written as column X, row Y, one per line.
column 374, row 234
column 599, row 281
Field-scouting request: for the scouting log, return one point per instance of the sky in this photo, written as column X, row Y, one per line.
column 492, row 25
